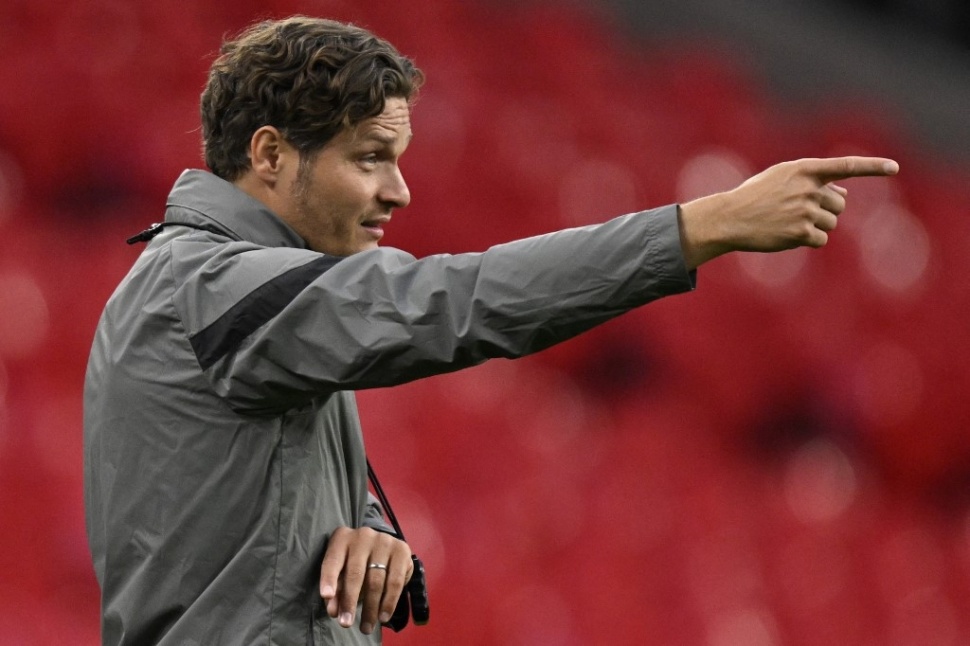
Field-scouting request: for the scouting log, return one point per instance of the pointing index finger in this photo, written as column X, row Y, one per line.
column 837, row 168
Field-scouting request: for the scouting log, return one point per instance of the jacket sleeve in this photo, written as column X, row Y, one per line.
column 374, row 516
column 273, row 328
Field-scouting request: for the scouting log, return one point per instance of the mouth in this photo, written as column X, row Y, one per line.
column 375, row 226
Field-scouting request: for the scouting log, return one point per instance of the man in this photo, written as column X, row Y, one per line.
column 225, row 473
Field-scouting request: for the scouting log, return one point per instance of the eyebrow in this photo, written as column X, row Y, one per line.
column 385, row 139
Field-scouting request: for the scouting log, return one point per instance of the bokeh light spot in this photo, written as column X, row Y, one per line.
column 748, row 627
column 820, row 482
column 711, row 172
column 895, row 249
column 774, row 270
column 25, row 315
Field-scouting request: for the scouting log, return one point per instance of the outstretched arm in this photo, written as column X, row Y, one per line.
column 792, row 204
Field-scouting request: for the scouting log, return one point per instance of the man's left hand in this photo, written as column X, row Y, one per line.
column 367, row 566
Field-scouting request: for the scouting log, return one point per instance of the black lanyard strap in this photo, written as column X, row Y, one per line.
column 414, row 597
column 382, row 498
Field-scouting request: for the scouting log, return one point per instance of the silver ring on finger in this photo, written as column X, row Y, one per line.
column 377, row 566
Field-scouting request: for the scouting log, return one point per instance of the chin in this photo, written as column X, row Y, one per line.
column 366, row 247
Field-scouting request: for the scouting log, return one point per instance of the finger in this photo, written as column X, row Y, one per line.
column 399, row 573
column 352, row 579
column 374, row 586
column 841, row 190
column 817, row 238
column 333, row 563
column 826, row 222
column 836, row 168
column 830, row 200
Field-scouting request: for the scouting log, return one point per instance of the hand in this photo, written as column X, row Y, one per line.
column 345, row 575
column 789, row 205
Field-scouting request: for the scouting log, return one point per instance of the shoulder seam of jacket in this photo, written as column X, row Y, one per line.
column 224, row 335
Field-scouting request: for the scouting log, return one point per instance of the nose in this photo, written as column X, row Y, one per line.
column 394, row 190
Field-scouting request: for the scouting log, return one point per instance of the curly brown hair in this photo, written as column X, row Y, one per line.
column 307, row 77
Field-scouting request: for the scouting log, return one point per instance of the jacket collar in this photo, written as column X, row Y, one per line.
column 201, row 198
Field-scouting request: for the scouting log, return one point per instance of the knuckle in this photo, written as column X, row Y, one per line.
column 373, row 586
column 396, row 579
column 384, row 539
column 330, row 567
column 802, row 233
column 366, row 535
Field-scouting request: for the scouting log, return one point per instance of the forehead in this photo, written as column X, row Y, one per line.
column 393, row 124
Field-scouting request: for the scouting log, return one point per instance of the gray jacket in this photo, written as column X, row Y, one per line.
column 222, row 444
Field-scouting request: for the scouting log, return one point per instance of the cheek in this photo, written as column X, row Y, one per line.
column 321, row 204
column 338, row 195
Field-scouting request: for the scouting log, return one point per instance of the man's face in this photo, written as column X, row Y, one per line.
column 341, row 199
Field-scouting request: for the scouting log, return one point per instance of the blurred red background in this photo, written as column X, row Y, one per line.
column 781, row 457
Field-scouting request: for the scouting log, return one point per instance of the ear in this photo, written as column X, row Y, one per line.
column 268, row 153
